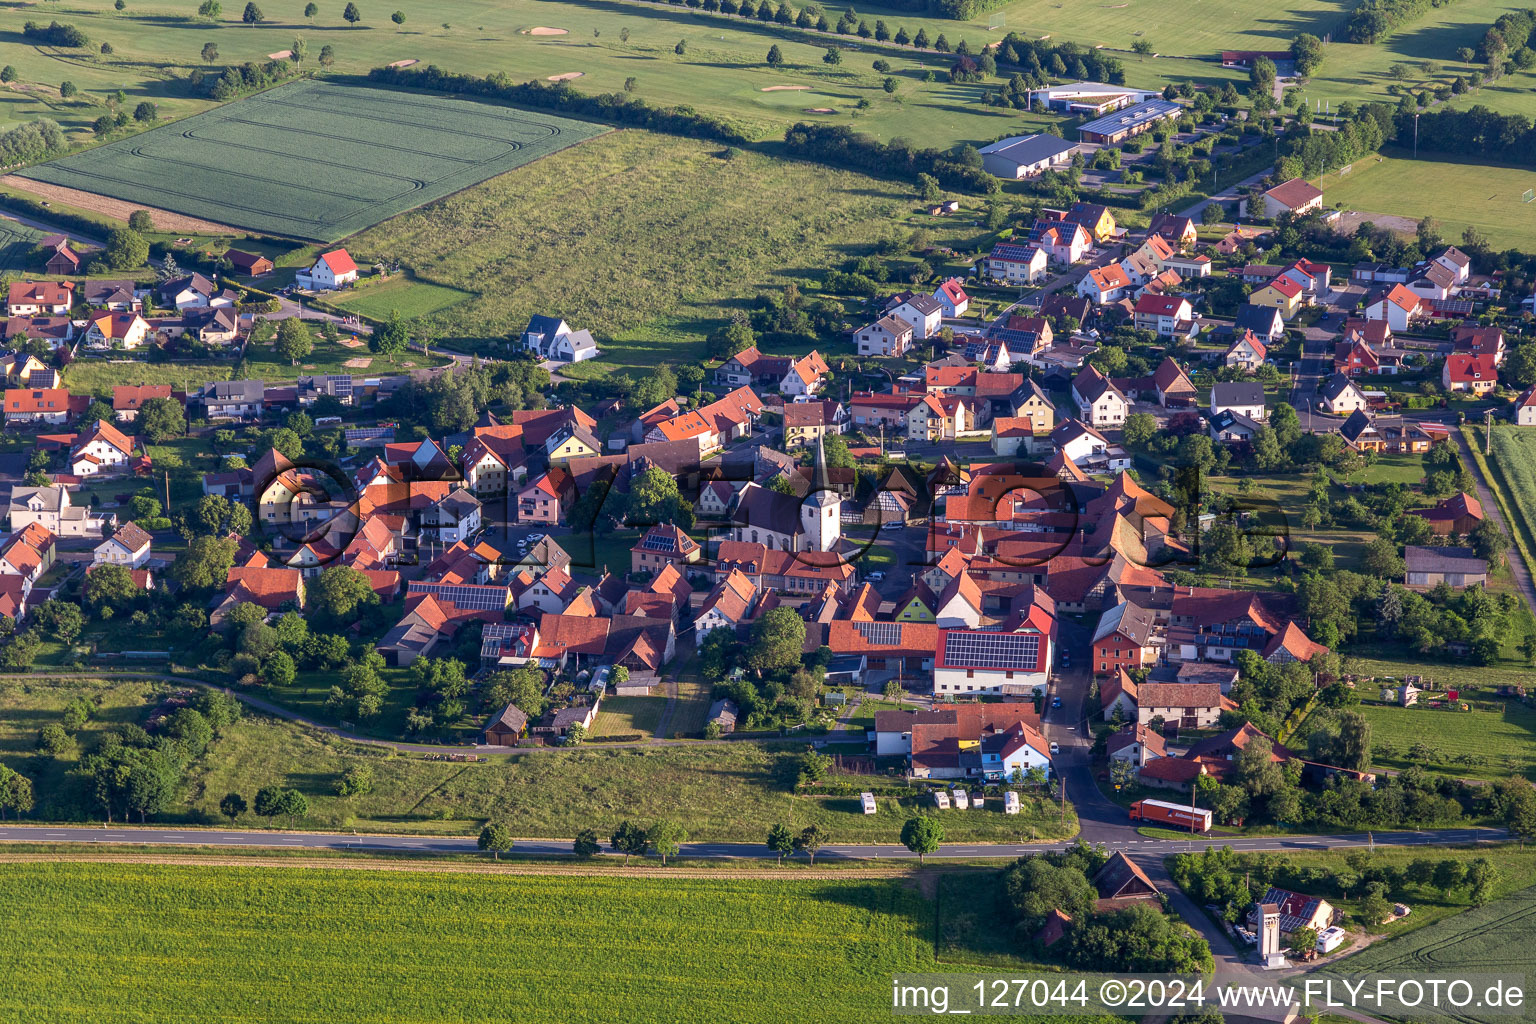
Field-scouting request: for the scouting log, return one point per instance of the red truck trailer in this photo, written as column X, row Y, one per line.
column 1175, row 815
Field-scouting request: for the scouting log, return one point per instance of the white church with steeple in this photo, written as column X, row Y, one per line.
column 783, row 522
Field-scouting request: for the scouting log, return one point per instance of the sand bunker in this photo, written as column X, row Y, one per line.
column 567, row 76
column 541, row 31
column 404, row 63
column 280, row 55
column 820, row 110
column 784, row 88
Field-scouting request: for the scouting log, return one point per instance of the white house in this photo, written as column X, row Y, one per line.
column 39, row 298
column 1399, row 307
column 1078, row 442
column 1525, row 408
column 1099, row 403
column 103, row 448
column 1296, row 197
column 1246, row 398
column 924, row 313
column 551, row 338
column 116, row 330
column 1457, row 262
column 331, row 271
column 1105, row 284
column 888, row 336
column 982, row 662
column 1012, row 263
column 454, row 518
column 129, row 547
column 952, row 297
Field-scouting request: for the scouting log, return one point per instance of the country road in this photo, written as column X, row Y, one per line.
column 451, row 845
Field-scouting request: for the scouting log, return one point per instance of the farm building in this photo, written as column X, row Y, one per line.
column 1457, row 567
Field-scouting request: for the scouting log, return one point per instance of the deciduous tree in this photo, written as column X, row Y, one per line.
column 497, row 838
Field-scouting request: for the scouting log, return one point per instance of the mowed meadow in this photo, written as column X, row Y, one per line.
column 150, row 943
column 644, row 239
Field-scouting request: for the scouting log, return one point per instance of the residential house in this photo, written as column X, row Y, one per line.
column 234, row 399
column 39, row 298
column 1018, row 264
column 1064, row 242
column 1476, row 340
column 1264, row 321
column 1297, row 197
column 1186, row 705
column 28, row 553
column 128, row 399
column 1118, row 693
column 663, row 545
column 546, row 499
column 951, row 295
column 50, row 508
column 1136, row 745
column 129, row 547
column 1281, row 294
column 1127, row 637
column 116, row 330
column 1088, row 449
column 1026, row 156
column 923, row 312
column 1340, row 395
column 1232, row 427
column 804, row 422
column 452, row 518
column 1525, row 408
column 192, row 291
column 1166, row 315
column 115, row 296
column 1297, row 912
column 728, row 606
column 983, row 661
column 1471, row 373
column 888, row 336
column 1398, row 306
column 36, row 405
column 1174, row 388
column 805, row 375
column 1246, row 352
column 333, row 270
column 550, row 338
column 1244, row 397
column 1456, row 567
column 1099, row 403
column 1105, row 284
column 18, row 367
column 101, row 449
column 1180, row 232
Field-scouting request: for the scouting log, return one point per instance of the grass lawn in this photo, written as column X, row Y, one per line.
column 691, row 712
column 624, row 715
column 723, row 791
column 1498, row 744
column 410, row 298
column 713, row 948
column 1458, row 194
column 695, row 236
column 251, row 163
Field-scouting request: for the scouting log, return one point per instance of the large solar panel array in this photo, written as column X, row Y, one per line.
column 369, row 433
column 495, row 633
column 992, row 650
column 341, row 384
column 882, row 634
column 466, row 597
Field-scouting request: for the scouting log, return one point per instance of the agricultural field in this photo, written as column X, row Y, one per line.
column 1457, row 194
column 1490, row 940
column 722, row 791
column 157, row 44
column 1468, row 744
column 697, row 231
column 400, row 294
column 452, row 947
column 254, row 163
column 16, row 244
column 1513, row 463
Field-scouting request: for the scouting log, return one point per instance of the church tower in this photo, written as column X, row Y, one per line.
column 821, row 512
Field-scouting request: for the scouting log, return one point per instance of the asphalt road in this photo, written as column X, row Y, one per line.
column 70, row 834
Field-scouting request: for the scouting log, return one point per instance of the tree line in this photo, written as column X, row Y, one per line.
column 1476, row 133
column 1374, row 20
column 615, row 108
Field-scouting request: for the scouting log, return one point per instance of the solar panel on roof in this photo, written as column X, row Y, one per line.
column 658, row 542
column 464, row 596
column 992, row 650
column 882, row 634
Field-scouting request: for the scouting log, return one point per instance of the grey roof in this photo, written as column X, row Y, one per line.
column 723, row 711
column 99, row 293
column 131, row 536
column 1130, row 117
column 511, row 716
column 1444, row 559
column 54, row 496
column 924, row 304
column 767, row 509
column 1357, row 424
column 1259, row 319
column 193, row 282
column 1029, row 149
column 1226, row 419
column 235, row 391
column 1236, row 392
column 543, row 325
column 1336, row 386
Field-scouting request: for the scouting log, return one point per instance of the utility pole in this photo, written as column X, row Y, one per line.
column 1415, row 136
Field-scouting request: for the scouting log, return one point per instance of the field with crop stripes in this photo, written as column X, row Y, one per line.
column 1491, row 940
column 316, row 160
column 16, row 244
column 149, row 943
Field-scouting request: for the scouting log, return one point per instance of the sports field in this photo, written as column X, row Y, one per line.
column 316, row 160
column 161, row 943
column 16, row 244
column 1457, row 194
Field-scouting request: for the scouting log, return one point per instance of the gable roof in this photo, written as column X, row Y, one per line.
column 339, row 261
column 1295, row 193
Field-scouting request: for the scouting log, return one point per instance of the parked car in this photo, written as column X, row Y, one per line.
column 1055, row 748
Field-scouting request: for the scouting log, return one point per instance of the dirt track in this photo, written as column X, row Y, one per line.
column 165, row 220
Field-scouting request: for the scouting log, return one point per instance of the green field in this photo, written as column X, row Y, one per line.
column 316, row 160
column 718, row 791
column 1457, row 194
column 1491, row 940
column 626, row 715
column 409, row 298
column 1504, row 743
column 175, row 943
column 639, row 238
column 16, row 244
